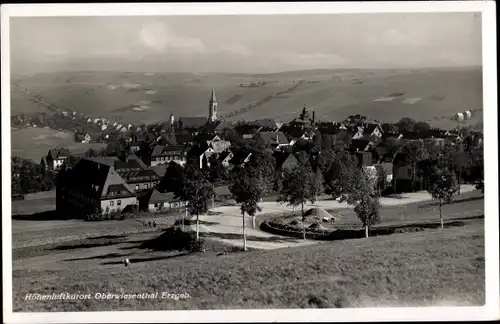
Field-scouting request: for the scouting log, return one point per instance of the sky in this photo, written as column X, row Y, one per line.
column 245, row 44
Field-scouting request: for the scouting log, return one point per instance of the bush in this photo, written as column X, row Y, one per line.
column 295, row 231
column 317, row 227
column 297, row 223
column 173, row 238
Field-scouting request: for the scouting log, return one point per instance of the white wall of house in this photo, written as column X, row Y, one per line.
column 376, row 132
column 58, row 163
column 228, row 158
column 118, row 204
column 142, row 185
column 158, row 160
column 166, row 206
column 358, row 135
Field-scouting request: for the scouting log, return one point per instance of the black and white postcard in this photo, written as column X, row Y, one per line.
column 255, row 162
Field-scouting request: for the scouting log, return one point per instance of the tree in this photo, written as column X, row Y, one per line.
column 216, row 171
column 196, row 192
column 389, row 128
column 317, row 140
column 298, row 188
column 358, row 191
column 416, row 152
column 230, row 134
column 333, row 174
column 393, row 144
column 421, row 127
column 90, row 153
column 443, row 185
column 381, row 179
column 368, row 211
column 317, row 188
column 173, row 179
column 262, row 165
column 247, row 191
column 406, row 124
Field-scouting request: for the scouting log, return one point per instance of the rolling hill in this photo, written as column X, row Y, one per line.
column 432, row 95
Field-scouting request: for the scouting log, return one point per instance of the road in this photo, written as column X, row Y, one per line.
column 225, row 223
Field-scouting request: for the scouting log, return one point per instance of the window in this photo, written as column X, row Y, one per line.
column 136, row 187
column 111, row 203
column 119, row 203
column 409, row 171
column 146, row 186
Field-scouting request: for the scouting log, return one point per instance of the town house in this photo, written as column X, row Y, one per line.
column 91, row 187
column 132, row 170
column 165, row 154
column 54, row 159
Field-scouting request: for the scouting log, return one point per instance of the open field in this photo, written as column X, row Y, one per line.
column 115, row 95
column 84, row 257
column 466, row 206
column 35, row 142
column 27, row 207
column 414, row 269
column 432, row 95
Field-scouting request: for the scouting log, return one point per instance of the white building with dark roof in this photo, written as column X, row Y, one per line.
column 91, row 187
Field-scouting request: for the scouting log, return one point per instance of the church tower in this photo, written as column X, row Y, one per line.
column 212, row 113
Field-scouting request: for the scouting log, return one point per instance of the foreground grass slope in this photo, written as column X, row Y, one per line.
column 426, row 268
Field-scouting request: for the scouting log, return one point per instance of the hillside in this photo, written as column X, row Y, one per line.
column 433, row 95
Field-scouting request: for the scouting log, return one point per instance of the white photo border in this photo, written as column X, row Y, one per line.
column 489, row 311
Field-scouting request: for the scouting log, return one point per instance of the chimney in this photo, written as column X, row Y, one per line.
column 314, row 116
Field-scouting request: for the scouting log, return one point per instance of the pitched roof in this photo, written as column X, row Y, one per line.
column 387, row 167
column 222, row 191
column 329, row 128
column 160, row 169
column 164, row 150
column 220, row 146
column 222, row 126
column 359, row 144
column 224, row 155
column 265, row 123
column 192, row 122
column 59, row 152
column 159, row 197
column 246, row 129
column 274, row 138
column 198, row 150
column 239, row 157
column 204, row 137
column 369, row 128
column 133, row 162
column 96, row 180
column 184, row 138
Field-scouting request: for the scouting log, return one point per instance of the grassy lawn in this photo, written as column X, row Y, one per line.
column 413, row 269
column 407, row 269
column 464, row 207
column 26, row 207
column 33, row 143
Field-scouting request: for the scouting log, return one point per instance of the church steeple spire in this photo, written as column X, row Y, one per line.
column 212, row 112
column 212, row 96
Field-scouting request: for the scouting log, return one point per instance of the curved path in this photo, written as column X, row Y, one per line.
column 225, row 223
